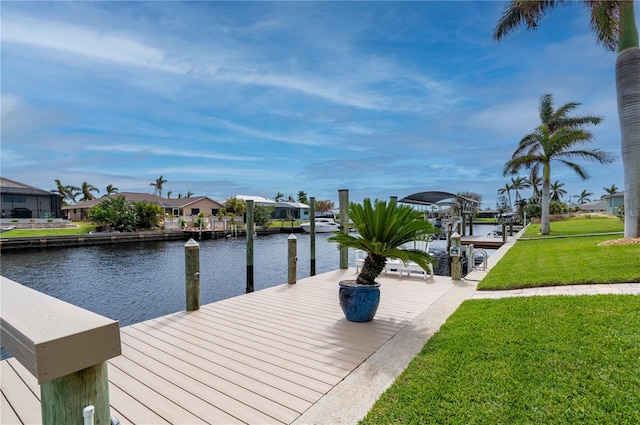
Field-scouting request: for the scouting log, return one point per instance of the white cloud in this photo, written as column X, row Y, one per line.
column 85, row 42
column 174, row 152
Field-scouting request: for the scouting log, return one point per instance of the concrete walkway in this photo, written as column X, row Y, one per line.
column 614, row 288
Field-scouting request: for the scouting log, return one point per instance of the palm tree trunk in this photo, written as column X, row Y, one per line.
column 628, row 90
column 545, row 228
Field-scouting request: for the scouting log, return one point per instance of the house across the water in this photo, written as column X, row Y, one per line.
column 179, row 207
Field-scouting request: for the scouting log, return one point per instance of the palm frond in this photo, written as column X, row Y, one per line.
column 605, row 19
column 520, row 12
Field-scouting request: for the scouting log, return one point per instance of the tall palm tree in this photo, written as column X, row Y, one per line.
column 157, row 185
column 610, row 190
column 615, row 27
column 519, row 183
column 555, row 139
column 86, row 190
column 111, row 189
column 279, row 197
column 584, row 196
column 556, row 191
column 508, row 187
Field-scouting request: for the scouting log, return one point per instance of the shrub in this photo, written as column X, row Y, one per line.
column 114, row 213
column 148, row 214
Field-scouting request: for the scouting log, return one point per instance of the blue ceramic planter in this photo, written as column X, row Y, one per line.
column 359, row 303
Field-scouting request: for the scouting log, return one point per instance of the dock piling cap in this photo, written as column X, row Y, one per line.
column 292, row 236
column 191, row 242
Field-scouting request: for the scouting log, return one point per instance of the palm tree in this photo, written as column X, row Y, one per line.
column 584, row 197
column 302, row 197
column 73, row 192
column 111, row 189
column 508, row 187
column 157, row 186
column 86, row 190
column 536, row 181
column 615, row 27
column 519, row 183
column 610, row 190
column 169, row 194
column 279, row 197
column 556, row 191
column 555, row 139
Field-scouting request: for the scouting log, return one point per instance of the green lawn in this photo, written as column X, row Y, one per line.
column 577, row 260
column 536, row 360
column 577, row 226
column 83, row 229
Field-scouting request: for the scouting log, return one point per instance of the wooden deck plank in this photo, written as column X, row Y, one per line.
column 22, row 400
column 228, row 330
column 264, row 357
column 7, row 415
column 228, row 368
column 130, row 409
column 187, row 327
column 306, row 339
column 251, row 358
column 165, row 407
column 243, row 361
column 211, row 391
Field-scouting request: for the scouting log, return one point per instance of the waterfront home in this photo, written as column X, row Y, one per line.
column 180, row 207
column 20, row 200
column 614, row 201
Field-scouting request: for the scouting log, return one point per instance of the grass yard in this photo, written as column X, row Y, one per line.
column 536, row 360
column 83, row 229
column 565, row 259
column 577, row 226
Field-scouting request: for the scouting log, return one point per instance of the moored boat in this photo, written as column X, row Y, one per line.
column 323, row 225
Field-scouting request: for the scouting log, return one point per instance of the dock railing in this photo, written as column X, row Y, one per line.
column 64, row 346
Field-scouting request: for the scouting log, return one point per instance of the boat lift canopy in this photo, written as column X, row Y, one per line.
column 436, row 198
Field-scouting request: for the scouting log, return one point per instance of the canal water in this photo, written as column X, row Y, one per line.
column 134, row 282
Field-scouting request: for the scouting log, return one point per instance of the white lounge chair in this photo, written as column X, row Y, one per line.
column 398, row 266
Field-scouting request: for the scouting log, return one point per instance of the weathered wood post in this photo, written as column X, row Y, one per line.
column 64, row 398
column 192, row 274
column 504, row 231
column 249, row 246
column 343, row 197
column 292, row 244
column 312, row 235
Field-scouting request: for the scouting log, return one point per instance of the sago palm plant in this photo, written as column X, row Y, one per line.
column 383, row 228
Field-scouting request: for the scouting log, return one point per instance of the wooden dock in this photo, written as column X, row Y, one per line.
column 259, row 358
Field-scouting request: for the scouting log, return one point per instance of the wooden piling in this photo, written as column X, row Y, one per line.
column 250, row 230
column 192, row 274
column 292, row 257
column 312, row 235
column 343, row 196
column 63, row 399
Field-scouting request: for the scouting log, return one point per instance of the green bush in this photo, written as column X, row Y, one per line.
column 148, row 214
column 115, row 214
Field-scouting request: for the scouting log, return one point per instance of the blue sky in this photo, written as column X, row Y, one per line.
column 226, row 98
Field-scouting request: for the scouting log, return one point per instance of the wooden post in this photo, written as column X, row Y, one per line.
column 343, row 196
column 292, row 244
column 504, row 231
column 393, row 198
column 63, row 399
column 249, row 246
column 312, row 235
column 192, row 274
